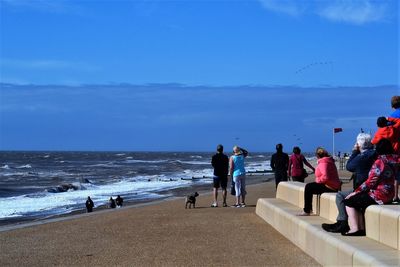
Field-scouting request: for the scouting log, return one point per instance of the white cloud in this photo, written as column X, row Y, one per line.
column 356, row 12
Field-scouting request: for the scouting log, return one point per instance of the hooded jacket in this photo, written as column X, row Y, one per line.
column 390, row 132
column 326, row 173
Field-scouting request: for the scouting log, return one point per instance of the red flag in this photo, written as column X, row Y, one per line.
column 337, row 130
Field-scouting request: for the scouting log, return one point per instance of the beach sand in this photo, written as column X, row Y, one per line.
column 159, row 234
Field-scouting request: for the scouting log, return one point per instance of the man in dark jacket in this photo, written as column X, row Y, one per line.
column 279, row 164
column 220, row 163
column 360, row 163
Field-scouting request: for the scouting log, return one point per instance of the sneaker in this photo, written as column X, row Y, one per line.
column 235, row 206
column 396, row 201
column 214, row 205
column 242, row 205
column 225, row 205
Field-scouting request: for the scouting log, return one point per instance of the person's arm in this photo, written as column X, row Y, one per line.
column 354, row 160
column 290, row 166
column 244, row 151
column 273, row 162
column 308, row 164
column 213, row 162
column 231, row 166
column 396, row 122
column 373, row 177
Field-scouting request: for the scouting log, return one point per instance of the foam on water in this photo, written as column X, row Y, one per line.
column 58, row 203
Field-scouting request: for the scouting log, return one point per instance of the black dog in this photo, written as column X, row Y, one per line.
column 191, row 199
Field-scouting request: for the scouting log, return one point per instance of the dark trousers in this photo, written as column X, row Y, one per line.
column 280, row 175
column 298, row 179
column 313, row 189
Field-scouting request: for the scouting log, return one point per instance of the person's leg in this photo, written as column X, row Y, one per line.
column 353, row 218
column 308, row 194
column 310, row 190
column 340, row 197
column 215, row 195
column 224, row 185
column 243, row 189
column 224, row 196
column 238, row 186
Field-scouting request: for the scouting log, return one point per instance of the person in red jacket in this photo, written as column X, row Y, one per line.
column 296, row 168
column 389, row 129
column 326, row 179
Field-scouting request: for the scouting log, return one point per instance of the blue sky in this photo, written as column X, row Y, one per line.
column 63, row 64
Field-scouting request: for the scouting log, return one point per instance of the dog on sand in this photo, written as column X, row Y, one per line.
column 191, row 200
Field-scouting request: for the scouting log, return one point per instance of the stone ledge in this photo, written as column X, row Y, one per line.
column 329, row 249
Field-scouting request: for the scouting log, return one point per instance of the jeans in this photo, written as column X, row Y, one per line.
column 340, row 196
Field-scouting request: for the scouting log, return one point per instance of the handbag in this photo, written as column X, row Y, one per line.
column 233, row 191
column 304, row 173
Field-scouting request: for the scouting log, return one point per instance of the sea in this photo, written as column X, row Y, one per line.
column 37, row 185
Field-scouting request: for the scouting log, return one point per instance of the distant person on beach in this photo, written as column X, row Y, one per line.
column 89, row 204
column 119, row 201
column 220, row 163
column 112, row 203
column 359, row 163
column 296, row 168
column 279, row 164
column 238, row 172
column 377, row 189
column 326, row 179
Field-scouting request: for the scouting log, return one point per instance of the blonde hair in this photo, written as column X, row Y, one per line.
column 321, row 152
column 236, row 149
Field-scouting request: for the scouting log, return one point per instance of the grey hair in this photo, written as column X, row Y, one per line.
column 364, row 141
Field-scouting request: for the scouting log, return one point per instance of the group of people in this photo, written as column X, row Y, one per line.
column 374, row 162
column 233, row 166
column 112, row 204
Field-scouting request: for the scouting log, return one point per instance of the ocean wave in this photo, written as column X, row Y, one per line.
column 26, row 166
column 6, row 167
column 146, row 161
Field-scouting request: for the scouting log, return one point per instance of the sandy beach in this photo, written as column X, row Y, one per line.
column 159, row 234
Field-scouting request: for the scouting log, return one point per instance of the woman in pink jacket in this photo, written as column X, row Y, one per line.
column 326, row 179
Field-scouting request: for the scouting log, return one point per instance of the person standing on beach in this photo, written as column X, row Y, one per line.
column 279, row 164
column 89, row 204
column 296, row 168
column 220, row 163
column 238, row 172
